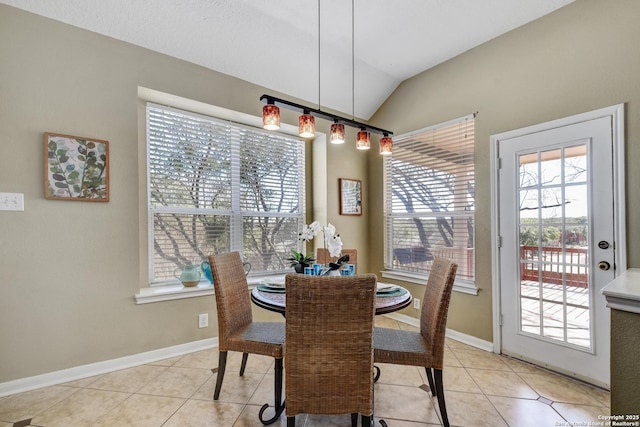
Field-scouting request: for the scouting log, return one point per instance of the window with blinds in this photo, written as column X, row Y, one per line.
column 216, row 186
column 429, row 198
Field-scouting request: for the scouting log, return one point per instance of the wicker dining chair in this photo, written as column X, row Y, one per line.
column 329, row 346
column 424, row 348
column 236, row 329
column 323, row 257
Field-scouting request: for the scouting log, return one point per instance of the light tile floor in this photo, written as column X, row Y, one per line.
column 481, row 389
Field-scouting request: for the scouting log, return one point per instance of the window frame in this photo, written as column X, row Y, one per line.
column 236, row 215
column 420, row 277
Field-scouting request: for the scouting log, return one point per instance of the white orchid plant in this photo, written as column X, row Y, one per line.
column 332, row 241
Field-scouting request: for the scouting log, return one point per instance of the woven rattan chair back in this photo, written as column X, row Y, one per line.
column 435, row 307
column 323, row 257
column 329, row 348
column 426, row 347
column 233, row 298
column 236, row 329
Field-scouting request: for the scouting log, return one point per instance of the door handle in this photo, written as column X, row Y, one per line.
column 604, row 265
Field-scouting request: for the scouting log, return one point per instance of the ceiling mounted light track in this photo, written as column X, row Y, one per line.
column 282, row 103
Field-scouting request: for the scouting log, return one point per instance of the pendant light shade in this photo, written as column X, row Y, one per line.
column 363, row 140
column 386, row 145
column 270, row 117
column 306, row 125
column 337, row 133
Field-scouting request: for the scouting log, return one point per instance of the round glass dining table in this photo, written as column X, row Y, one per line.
column 386, row 302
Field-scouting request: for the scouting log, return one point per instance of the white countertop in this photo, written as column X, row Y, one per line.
column 623, row 293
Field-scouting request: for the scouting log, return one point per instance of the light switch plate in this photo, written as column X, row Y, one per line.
column 11, row 202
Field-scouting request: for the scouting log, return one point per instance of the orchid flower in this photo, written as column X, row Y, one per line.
column 310, row 231
column 335, row 246
column 331, row 240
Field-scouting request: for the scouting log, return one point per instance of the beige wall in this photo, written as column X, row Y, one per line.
column 580, row 58
column 69, row 270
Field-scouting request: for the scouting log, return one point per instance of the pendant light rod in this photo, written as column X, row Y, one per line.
column 272, row 100
column 319, row 44
column 353, row 60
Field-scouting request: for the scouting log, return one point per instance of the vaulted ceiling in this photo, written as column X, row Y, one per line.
column 343, row 64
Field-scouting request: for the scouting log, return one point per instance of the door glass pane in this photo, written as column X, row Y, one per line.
column 576, row 202
column 529, row 203
column 551, row 203
column 530, row 315
column 578, row 330
column 553, row 226
column 550, row 171
column 575, row 164
column 528, row 170
column 554, row 325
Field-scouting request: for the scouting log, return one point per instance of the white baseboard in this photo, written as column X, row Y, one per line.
column 84, row 371
column 454, row 335
column 470, row 340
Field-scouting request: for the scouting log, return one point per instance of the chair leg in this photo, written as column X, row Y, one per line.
column 367, row 421
column 222, row 365
column 245, row 356
column 291, row 421
column 440, row 396
column 354, row 419
column 430, row 379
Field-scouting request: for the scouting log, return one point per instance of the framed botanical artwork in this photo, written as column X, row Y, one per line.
column 76, row 168
column 350, row 196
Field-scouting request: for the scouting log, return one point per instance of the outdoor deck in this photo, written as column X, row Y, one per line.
column 551, row 297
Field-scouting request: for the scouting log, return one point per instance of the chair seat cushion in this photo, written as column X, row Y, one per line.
column 264, row 338
column 400, row 347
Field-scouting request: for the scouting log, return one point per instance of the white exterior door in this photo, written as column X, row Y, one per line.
column 558, row 245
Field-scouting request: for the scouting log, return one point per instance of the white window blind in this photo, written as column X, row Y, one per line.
column 217, row 186
column 429, row 198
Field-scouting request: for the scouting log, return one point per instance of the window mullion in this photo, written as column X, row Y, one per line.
column 236, row 218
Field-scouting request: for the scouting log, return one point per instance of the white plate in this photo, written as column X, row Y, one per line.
column 384, row 288
column 273, row 285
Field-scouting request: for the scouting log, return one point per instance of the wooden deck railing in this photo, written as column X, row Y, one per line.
column 423, row 257
column 553, row 262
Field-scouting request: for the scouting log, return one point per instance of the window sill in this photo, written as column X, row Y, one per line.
column 175, row 291
column 172, row 292
column 462, row 286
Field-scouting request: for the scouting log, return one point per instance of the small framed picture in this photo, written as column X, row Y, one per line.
column 76, row 168
column 350, row 196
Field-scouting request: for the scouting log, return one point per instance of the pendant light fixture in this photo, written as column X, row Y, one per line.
column 386, row 145
column 337, row 133
column 306, row 125
column 363, row 140
column 270, row 117
column 306, row 121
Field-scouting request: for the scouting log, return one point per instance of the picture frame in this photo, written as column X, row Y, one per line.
column 350, row 196
column 76, row 168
